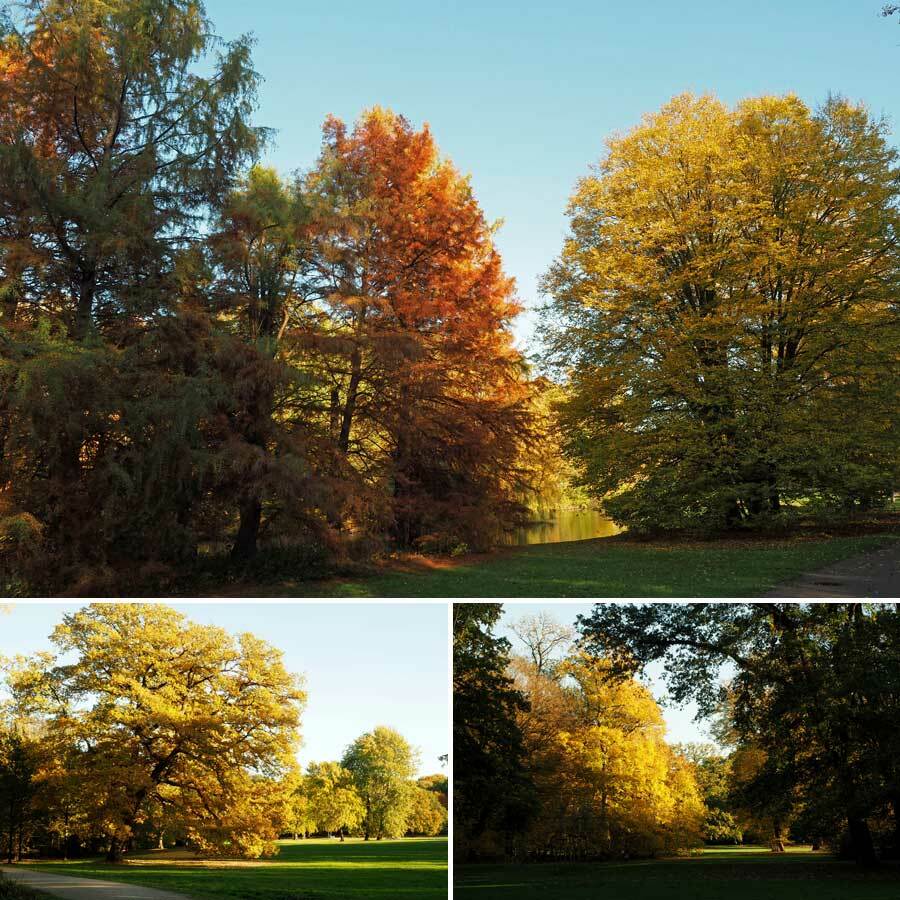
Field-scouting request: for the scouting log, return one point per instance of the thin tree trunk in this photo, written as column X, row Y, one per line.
column 87, row 287
column 10, row 843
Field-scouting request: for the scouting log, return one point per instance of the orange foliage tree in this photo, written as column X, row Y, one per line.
column 426, row 392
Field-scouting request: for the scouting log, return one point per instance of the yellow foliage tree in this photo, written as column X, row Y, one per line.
column 158, row 712
column 724, row 311
column 608, row 782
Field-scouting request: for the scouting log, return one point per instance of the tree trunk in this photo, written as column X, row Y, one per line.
column 87, row 286
column 350, row 405
column 353, row 387
column 341, row 833
column 115, row 852
column 10, row 843
column 861, row 837
column 895, row 805
column 245, row 544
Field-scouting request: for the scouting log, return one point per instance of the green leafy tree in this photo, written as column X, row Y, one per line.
column 382, row 764
column 491, row 790
column 334, row 802
column 19, row 766
column 122, row 127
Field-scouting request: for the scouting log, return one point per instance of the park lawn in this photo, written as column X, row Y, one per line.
column 608, row 567
column 733, row 873
column 315, row 869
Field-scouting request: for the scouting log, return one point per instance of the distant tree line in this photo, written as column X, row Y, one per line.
column 157, row 731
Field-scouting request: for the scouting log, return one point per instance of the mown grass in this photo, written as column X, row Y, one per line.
column 608, row 567
column 739, row 873
column 414, row 868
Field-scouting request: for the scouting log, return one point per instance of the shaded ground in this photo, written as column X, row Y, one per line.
column 414, row 868
column 54, row 885
column 871, row 575
column 733, row 873
column 605, row 567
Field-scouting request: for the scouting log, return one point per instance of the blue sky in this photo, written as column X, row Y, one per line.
column 521, row 95
column 365, row 664
column 681, row 726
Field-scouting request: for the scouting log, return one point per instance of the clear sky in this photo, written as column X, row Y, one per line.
column 681, row 726
column 365, row 664
column 522, row 94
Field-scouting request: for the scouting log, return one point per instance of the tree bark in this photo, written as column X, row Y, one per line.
column 115, row 852
column 861, row 838
column 245, row 543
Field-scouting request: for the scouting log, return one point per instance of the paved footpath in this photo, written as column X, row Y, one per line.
column 870, row 575
column 84, row 888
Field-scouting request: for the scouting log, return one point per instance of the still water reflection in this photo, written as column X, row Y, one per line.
column 562, row 525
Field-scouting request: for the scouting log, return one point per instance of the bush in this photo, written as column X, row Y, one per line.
column 721, row 827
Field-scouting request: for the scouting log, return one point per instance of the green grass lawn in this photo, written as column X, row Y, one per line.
column 733, row 873
column 414, row 868
column 609, row 568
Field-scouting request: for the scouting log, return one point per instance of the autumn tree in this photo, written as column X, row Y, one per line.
column 607, row 782
column 427, row 815
column 725, row 314
column 438, row 784
column 122, row 127
column 162, row 713
column 382, row 764
column 278, row 454
column 425, row 389
column 300, row 819
column 334, row 803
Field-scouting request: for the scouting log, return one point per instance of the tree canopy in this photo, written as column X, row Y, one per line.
column 725, row 314
column 158, row 715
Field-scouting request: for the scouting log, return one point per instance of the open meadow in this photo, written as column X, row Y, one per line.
column 603, row 567
column 302, row 870
column 736, row 873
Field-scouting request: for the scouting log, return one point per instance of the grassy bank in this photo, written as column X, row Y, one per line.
column 606, row 567
column 303, row 870
column 738, row 873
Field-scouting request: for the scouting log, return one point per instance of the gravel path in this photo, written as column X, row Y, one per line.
column 868, row 576
column 84, row 888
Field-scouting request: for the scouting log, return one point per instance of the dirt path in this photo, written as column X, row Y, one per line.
column 84, row 888
column 870, row 575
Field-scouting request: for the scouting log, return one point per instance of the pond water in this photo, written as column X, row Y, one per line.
column 562, row 525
